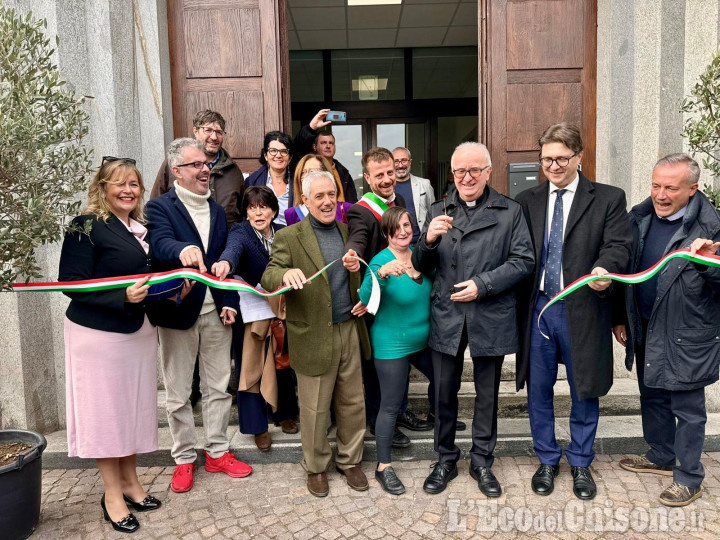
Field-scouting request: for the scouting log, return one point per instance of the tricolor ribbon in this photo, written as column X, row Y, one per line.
column 90, row 285
column 708, row 260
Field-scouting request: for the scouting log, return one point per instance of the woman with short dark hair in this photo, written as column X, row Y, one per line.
column 275, row 159
column 246, row 254
column 399, row 334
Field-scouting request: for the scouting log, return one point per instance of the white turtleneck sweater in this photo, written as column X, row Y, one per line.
column 199, row 210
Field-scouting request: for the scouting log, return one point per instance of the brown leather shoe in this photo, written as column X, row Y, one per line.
column 317, row 484
column 263, row 441
column 678, row 495
column 641, row 464
column 289, row 426
column 356, row 479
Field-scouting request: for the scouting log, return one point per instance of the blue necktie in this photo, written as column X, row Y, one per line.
column 555, row 247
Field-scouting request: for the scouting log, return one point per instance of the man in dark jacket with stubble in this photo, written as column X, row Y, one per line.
column 478, row 245
column 312, row 139
column 671, row 323
column 578, row 227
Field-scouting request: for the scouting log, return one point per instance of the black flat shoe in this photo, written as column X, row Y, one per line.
column 440, row 477
column 389, row 481
column 543, row 481
column 583, row 484
column 486, row 480
column 128, row 524
column 147, row 504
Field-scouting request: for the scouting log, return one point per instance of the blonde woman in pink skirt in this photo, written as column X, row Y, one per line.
column 110, row 346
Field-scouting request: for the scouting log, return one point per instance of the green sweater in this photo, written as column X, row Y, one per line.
column 402, row 322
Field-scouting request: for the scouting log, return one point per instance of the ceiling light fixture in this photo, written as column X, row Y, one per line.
column 374, row 2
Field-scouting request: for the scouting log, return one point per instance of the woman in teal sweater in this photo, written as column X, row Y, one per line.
column 399, row 333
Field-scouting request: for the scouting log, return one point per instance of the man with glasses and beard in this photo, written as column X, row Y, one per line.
column 227, row 185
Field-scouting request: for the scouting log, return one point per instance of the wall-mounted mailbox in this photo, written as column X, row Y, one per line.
column 522, row 176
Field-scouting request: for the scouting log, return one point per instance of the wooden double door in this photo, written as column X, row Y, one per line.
column 536, row 67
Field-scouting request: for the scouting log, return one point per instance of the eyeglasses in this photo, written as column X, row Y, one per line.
column 275, row 151
column 110, row 159
column 210, row 131
column 561, row 161
column 305, row 172
column 197, row 164
column 402, row 161
column 475, row 172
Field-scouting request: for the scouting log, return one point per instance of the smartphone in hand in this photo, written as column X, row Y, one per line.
column 336, row 116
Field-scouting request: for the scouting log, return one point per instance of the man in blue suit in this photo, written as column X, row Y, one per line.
column 188, row 229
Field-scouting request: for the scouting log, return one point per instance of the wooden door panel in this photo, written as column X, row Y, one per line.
column 230, row 56
column 536, row 28
column 216, row 41
column 244, row 117
column 533, row 107
column 538, row 68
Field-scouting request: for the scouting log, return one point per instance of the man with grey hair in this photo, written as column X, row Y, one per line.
column 417, row 192
column 188, row 229
column 325, row 336
column 671, row 324
column 479, row 248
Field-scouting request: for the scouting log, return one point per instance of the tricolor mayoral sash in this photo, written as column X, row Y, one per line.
column 373, row 203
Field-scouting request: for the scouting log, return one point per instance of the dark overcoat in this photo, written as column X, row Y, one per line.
column 597, row 234
column 493, row 249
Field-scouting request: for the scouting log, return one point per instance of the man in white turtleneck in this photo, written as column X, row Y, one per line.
column 188, row 229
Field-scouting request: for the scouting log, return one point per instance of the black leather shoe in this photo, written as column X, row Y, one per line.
column 408, row 420
column 438, row 480
column 459, row 425
column 147, row 504
column 399, row 439
column 486, row 480
column 128, row 524
column 543, row 481
column 389, row 481
column 583, row 484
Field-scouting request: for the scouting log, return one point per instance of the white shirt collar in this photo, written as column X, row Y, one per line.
column 572, row 186
column 677, row 215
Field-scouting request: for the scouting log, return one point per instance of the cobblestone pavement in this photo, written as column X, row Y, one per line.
column 274, row 503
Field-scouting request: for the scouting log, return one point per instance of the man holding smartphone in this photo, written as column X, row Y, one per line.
column 312, row 139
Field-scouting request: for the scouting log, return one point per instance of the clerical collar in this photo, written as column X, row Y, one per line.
column 677, row 215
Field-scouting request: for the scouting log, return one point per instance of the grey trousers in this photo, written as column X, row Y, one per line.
column 209, row 340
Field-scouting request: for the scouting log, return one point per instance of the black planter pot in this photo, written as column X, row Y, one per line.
column 21, row 486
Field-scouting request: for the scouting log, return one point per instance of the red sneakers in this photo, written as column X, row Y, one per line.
column 182, row 478
column 228, row 464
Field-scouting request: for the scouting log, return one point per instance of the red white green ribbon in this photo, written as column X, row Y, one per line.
column 708, row 260
column 91, row 285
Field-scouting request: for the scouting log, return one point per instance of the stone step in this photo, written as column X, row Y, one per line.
column 623, row 399
column 615, row 435
column 508, row 370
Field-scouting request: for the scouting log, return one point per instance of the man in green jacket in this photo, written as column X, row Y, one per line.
column 326, row 339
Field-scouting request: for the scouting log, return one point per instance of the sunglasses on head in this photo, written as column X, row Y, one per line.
column 110, row 159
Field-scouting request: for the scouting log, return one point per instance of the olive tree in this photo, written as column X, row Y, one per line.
column 702, row 129
column 43, row 163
